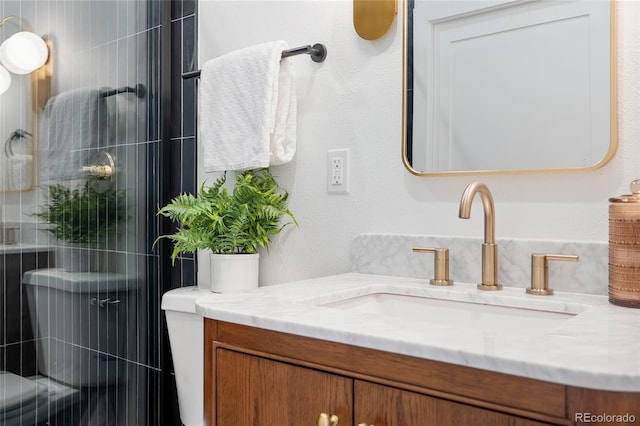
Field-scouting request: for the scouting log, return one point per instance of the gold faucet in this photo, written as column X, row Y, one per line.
column 489, row 248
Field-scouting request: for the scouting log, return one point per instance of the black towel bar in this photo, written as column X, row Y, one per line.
column 318, row 53
column 140, row 91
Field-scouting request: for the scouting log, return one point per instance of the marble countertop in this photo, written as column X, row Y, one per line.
column 23, row 248
column 597, row 346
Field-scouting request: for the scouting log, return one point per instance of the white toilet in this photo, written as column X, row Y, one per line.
column 74, row 317
column 75, row 314
column 186, row 337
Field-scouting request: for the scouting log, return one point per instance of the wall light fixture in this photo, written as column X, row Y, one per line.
column 22, row 53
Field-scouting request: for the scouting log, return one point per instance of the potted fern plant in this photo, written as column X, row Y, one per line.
column 232, row 225
column 80, row 219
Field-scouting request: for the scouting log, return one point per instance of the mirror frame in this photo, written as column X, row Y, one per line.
column 40, row 88
column 613, row 108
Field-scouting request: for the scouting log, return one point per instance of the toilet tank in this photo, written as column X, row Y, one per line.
column 81, row 323
column 186, row 337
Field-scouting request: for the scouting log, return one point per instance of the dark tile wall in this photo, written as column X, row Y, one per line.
column 182, row 166
column 17, row 348
column 183, row 118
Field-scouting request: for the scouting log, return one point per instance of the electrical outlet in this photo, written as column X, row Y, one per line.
column 338, row 171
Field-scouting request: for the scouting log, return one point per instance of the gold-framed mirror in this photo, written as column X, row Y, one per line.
column 17, row 138
column 508, row 86
column 25, row 71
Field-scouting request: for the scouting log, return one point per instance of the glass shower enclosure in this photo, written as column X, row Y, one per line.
column 79, row 188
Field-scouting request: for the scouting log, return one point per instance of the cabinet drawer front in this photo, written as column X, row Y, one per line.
column 486, row 387
column 251, row 390
column 386, row 406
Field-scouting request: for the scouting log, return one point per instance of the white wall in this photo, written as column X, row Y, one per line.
column 354, row 100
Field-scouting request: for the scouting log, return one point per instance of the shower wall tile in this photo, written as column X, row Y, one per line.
column 153, row 85
column 188, row 175
column 132, row 410
column 183, row 271
column 19, row 358
column 189, row 43
column 17, row 350
column 176, row 167
column 183, row 164
column 176, row 79
column 176, row 9
column 137, row 15
column 189, row 96
column 188, row 7
column 16, row 311
column 183, row 171
column 183, row 122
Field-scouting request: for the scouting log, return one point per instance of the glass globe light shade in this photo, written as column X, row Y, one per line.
column 5, row 79
column 23, row 52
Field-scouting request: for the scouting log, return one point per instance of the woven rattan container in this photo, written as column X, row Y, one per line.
column 624, row 248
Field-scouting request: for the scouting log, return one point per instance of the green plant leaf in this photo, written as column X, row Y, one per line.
column 83, row 215
column 238, row 222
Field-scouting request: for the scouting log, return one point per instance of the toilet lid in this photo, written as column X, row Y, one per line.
column 15, row 390
column 80, row 282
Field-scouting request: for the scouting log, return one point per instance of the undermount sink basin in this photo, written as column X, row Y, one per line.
column 493, row 314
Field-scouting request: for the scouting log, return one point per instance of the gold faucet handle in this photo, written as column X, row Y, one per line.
column 440, row 264
column 540, row 271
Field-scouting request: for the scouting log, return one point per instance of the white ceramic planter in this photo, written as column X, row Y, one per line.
column 233, row 272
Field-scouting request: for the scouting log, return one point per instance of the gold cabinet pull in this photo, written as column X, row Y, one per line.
column 327, row 420
column 364, row 424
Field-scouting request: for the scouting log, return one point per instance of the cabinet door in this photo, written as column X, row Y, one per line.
column 386, row 406
column 257, row 391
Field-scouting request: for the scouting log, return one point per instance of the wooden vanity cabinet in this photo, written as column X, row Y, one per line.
column 389, row 406
column 261, row 377
column 253, row 390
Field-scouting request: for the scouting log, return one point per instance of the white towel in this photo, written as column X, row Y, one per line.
column 19, row 172
column 16, row 162
column 4, row 166
column 70, row 125
column 247, row 111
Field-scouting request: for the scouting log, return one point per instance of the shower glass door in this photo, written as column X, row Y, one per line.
column 79, row 317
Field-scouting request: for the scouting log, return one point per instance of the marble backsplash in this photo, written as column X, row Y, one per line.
column 390, row 254
column 27, row 232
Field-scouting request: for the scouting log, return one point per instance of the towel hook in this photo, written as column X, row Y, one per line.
column 15, row 135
